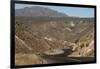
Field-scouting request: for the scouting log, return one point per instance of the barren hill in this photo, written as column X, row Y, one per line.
column 41, row 36
column 37, row 11
column 39, row 29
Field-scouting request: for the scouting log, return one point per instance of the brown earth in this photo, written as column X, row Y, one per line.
column 37, row 37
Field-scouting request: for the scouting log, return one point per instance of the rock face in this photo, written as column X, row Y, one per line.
column 84, row 47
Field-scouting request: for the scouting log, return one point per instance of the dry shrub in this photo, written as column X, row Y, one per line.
column 27, row 59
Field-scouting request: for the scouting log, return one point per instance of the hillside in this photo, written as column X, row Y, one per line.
column 37, row 11
column 52, row 34
column 43, row 29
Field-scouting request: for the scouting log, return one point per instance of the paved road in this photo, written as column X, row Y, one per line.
column 54, row 59
column 62, row 58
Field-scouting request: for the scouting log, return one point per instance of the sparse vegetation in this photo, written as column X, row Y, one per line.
column 27, row 59
column 35, row 35
column 83, row 46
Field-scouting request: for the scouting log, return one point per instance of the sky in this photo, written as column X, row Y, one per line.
column 70, row 11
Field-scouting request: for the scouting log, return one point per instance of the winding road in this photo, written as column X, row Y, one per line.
column 62, row 58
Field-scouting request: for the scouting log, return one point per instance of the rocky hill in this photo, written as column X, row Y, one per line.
column 43, row 29
column 37, row 11
column 41, row 36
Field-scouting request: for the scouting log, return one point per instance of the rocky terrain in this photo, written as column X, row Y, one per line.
column 35, row 35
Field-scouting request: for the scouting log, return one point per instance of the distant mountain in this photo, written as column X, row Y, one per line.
column 37, row 11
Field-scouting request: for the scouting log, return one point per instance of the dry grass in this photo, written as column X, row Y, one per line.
column 27, row 59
